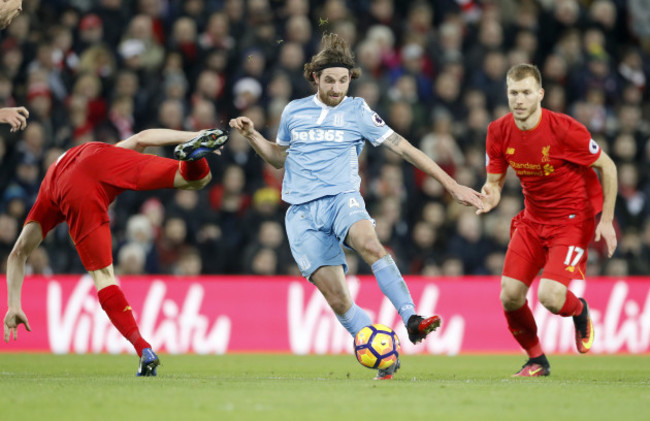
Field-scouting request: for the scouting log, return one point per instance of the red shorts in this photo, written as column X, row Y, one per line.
column 560, row 250
column 96, row 250
column 81, row 185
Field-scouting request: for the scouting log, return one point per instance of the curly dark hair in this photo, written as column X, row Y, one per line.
column 335, row 52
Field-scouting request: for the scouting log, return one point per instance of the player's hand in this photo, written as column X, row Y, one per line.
column 13, row 318
column 607, row 232
column 467, row 196
column 244, row 125
column 490, row 199
column 16, row 117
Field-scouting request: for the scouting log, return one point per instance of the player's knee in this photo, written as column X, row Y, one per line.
column 339, row 304
column 18, row 253
column 338, row 308
column 551, row 295
column 511, row 299
column 551, row 300
column 371, row 249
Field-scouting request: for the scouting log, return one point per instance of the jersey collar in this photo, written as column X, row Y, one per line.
column 541, row 117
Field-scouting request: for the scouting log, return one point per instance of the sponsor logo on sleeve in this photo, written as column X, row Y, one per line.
column 377, row 120
column 593, row 147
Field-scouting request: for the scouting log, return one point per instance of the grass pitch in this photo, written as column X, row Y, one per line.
column 287, row 387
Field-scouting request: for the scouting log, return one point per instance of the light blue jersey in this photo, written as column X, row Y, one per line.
column 324, row 146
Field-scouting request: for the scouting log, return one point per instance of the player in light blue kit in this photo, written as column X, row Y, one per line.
column 318, row 143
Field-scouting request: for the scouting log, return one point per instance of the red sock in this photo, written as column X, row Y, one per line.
column 194, row 170
column 572, row 305
column 119, row 311
column 521, row 324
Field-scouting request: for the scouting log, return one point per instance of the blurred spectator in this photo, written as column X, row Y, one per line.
column 171, row 243
column 130, row 260
column 217, row 33
column 203, row 115
column 423, row 246
column 114, row 19
column 189, row 263
column 270, row 236
column 469, row 244
column 633, row 207
column 140, row 41
column 263, row 262
column 616, row 267
column 38, row 263
column 139, row 231
column 91, row 32
column 247, row 92
column 452, row 266
column 98, row 60
column 290, row 61
column 8, row 234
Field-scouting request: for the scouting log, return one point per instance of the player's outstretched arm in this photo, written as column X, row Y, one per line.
column 30, row 237
column 156, row 137
column 608, row 179
column 16, row 117
column 462, row 194
column 271, row 152
column 492, row 192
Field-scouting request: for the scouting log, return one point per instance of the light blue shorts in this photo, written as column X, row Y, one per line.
column 317, row 230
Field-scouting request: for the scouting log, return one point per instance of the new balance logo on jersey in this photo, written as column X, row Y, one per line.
column 317, row 135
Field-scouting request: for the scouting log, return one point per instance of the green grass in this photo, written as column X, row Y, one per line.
column 286, row 387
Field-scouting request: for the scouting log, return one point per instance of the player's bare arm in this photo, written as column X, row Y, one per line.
column 492, row 192
column 156, row 137
column 30, row 237
column 16, row 117
column 269, row 151
column 462, row 194
column 608, row 179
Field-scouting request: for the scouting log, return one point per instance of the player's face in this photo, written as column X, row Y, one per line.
column 333, row 85
column 524, row 97
column 9, row 9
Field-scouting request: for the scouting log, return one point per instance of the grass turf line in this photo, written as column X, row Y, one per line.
column 288, row 387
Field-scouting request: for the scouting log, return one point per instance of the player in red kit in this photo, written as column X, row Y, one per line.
column 78, row 188
column 553, row 155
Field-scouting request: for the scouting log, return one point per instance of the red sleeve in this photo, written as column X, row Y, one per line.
column 495, row 162
column 579, row 147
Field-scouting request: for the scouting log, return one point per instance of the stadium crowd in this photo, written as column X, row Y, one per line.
column 435, row 71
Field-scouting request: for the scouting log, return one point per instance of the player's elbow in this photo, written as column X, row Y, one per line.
column 143, row 138
column 136, row 142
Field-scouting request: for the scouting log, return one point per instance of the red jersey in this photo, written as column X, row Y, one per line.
column 552, row 162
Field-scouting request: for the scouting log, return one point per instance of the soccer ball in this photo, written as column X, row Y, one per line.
column 376, row 346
